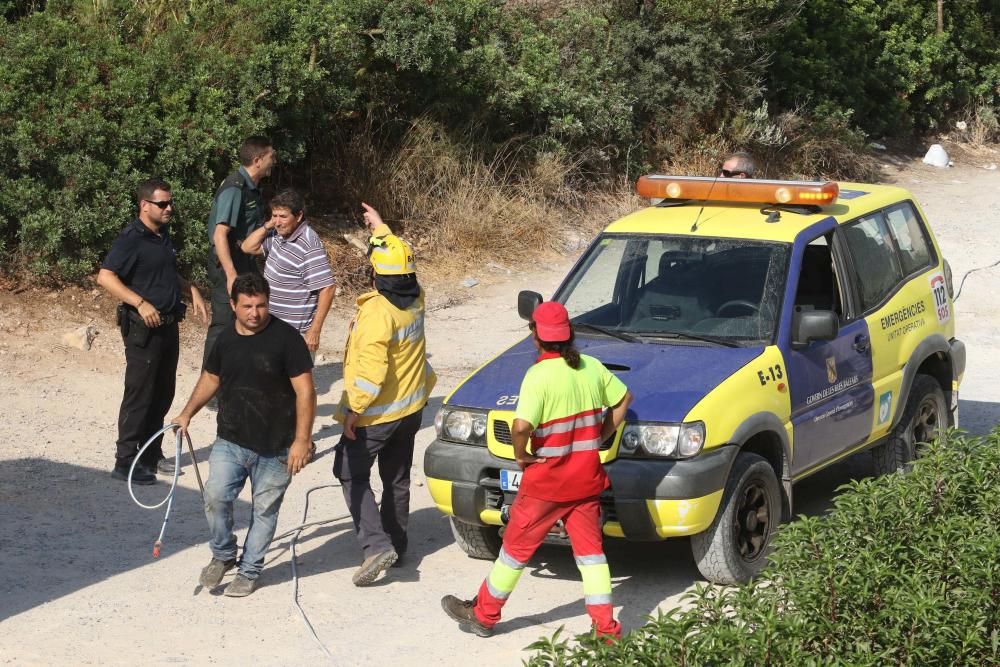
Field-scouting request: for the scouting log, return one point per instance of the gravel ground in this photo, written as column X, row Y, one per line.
column 77, row 581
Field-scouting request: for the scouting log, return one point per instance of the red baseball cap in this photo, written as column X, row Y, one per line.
column 551, row 322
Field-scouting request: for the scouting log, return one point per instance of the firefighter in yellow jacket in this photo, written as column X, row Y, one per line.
column 387, row 382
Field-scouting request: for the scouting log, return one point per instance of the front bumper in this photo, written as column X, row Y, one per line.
column 649, row 499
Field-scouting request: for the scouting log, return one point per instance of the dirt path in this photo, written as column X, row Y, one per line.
column 78, row 586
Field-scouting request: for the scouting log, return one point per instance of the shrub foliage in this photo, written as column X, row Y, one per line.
column 903, row 571
column 97, row 94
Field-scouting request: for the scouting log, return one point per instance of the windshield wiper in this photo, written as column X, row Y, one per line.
column 676, row 335
column 607, row 332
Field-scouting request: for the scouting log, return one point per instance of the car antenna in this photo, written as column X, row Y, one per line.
column 694, row 225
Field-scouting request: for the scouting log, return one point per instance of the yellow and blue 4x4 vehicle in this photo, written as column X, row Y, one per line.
column 767, row 330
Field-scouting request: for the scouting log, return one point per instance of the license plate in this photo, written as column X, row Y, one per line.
column 510, row 480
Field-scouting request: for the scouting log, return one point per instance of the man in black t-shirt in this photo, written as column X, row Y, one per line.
column 140, row 270
column 262, row 371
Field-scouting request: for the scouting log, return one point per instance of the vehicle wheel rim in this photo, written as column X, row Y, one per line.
column 753, row 521
column 926, row 424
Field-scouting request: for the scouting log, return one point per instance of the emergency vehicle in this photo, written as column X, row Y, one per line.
column 767, row 330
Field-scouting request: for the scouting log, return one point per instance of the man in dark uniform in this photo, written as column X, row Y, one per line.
column 237, row 210
column 140, row 270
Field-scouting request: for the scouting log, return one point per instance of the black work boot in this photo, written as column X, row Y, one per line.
column 166, row 466
column 463, row 611
column 140, row 477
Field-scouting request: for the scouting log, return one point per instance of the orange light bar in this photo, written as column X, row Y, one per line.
column 702, row 188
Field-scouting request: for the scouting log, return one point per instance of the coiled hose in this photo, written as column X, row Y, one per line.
column 294, row 532
column 169, row 499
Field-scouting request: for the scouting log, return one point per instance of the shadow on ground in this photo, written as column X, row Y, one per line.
column 65, row 527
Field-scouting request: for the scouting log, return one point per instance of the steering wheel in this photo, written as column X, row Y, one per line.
column 737, row 303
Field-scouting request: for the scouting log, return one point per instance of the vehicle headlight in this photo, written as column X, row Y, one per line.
column 668, row 440
column 461, row 425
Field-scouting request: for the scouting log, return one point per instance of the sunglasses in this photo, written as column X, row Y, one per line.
column 733, row 173
column 162, row 205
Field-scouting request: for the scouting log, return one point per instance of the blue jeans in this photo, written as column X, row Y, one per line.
column 228, row 468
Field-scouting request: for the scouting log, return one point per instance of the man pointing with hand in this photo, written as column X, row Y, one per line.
column 262, row 371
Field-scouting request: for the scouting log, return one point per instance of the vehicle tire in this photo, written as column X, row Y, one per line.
column 477, row 541
column 924, row 418
column 734, row 548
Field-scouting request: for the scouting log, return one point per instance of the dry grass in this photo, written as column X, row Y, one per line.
column 462, row 208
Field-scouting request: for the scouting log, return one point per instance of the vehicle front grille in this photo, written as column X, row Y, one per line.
column 501, row 431
column 608, row 508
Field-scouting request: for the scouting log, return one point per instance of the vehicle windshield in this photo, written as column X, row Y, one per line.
column 720, row 290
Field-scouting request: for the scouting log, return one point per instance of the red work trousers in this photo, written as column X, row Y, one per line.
column 530, row 521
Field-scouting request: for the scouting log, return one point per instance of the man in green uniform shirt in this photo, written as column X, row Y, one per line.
column 237, row 210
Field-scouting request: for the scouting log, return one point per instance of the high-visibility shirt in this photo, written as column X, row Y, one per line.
column 386, row 374
column 565, row 409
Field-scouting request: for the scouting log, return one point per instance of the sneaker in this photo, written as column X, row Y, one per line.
column 140, row 477
column 370, row 569
column 463, row 611
column 166, row 466
column 240, row 587
column 211, row 575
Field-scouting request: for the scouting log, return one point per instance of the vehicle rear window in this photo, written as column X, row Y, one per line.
column 914, row 246
column 875, row 262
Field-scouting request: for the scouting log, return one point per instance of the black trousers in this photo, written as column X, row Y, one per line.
column 392, row 445
column 150, row 381
column 222, row 312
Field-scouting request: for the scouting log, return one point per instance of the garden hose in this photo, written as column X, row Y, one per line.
column 169, row 499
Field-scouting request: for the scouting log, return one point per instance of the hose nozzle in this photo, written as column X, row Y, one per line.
column 156, row 548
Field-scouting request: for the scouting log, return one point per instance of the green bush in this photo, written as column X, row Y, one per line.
column 905, row 570
column 97, row 94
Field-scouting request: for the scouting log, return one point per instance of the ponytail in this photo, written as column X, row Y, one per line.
column 566, row 350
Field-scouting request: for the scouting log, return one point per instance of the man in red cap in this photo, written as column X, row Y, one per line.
column 561, row 407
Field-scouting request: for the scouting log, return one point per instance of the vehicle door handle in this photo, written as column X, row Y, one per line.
column 861, row 343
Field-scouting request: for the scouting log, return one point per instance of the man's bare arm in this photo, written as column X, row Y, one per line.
column 208, row 384
column 305, row 412
column 254, row 243
column 520, row 436
column 110, row 281
column 322, row 308
column 615, row 416
column 220, row 239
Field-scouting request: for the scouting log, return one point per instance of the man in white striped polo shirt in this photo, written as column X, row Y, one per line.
column 296, row 267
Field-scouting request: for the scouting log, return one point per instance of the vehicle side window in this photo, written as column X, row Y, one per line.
column 914, row 247
column 818, row 288
column 875, row 262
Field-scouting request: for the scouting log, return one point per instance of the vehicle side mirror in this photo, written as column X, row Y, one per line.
column 813, row 325
column 527, row 301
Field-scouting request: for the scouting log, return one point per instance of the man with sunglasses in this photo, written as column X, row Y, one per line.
column 140, row 270
column 738, row 165
column 237, row 210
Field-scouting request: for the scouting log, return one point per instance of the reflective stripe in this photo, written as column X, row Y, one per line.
column 366, row 386
column 415, row 397
column 599, row 559
column 410, row 266
column 498, row 594
column 381, row 249
column 509, row 561
column 596, row 579
column 502, row 579
column 412, row 332
column 597, row 599
column 568, row 425
column 581, row 446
